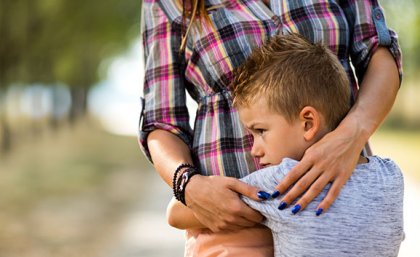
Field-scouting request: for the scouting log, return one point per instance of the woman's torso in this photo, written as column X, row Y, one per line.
column 221, row 146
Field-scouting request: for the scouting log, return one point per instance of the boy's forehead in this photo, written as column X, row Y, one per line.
column 260, row 105
column 256, row 113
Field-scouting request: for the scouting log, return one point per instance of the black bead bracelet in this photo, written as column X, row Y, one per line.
column 179, row 182
column 175, row 177
column 182, row 183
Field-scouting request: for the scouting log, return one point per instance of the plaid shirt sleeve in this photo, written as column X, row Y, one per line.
column 164, row 83
column 369, row 31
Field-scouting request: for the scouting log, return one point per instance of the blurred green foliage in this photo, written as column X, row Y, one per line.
column 46, row 41
column 55, row 43
column 404, row 17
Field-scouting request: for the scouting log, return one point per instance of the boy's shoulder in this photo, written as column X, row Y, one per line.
column 271, row 173
column 377, row 163
column 379, row 174
column 374, row 168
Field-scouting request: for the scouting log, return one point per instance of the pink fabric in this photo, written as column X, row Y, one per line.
column 256, row 242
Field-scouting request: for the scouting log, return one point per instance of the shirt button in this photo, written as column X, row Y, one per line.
column 378, row 16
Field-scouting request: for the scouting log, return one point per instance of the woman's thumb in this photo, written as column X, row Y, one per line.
column 248, row 190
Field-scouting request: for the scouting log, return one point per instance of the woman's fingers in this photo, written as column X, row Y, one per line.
column 331, row 159
column 245, row 189
column 305, row 184
column 315, row 189
column 314, row 182
column 298, row 171
column 332, row 194
column 251, row 192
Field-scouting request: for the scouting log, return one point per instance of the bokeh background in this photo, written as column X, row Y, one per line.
column 73, row 181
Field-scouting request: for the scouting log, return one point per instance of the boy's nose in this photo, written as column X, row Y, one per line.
column 256, row 151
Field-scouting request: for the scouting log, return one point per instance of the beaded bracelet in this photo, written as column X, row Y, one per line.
column 174, row 179
column 182, row 183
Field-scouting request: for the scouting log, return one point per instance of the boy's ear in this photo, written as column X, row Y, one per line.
column 311, row 122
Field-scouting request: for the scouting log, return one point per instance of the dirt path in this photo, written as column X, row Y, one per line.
column 145, row 232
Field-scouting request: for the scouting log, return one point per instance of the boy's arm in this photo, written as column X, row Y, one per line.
column 181, row 217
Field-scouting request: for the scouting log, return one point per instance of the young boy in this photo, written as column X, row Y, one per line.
column 289, row 94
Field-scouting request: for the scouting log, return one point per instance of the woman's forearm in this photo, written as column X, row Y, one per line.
column 376, row 96
column 167, row 151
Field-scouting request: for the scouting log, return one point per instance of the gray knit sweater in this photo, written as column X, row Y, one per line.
column 365, row 220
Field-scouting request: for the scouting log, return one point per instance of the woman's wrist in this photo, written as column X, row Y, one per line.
column 354, row 131
column 182, row 175
column 358, row 135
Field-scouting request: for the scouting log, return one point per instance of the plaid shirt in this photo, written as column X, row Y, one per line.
column 219, row 144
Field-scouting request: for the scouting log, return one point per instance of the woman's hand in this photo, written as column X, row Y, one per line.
column 216, row 203
column 214, row 200
column 332, row 159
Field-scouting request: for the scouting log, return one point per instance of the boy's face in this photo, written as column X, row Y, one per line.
column 274, row 137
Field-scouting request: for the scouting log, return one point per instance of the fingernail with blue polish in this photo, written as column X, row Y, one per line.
column 263, row 195
column 282, row 205
column 296, row 208
column 319, row 211
column 275, row 194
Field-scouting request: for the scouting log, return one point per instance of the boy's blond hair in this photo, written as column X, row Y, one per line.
column 293, row 73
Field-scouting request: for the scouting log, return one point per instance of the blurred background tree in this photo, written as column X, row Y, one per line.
column 404, row 17
column 50, row 43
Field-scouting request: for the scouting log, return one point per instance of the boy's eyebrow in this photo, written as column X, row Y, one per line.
column 253, row 125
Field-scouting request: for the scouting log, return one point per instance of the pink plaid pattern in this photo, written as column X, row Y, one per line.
column 219, row 144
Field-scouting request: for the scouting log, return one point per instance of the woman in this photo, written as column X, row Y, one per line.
column 199, row 58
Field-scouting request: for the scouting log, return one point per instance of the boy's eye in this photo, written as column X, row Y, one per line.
column 260, row 131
